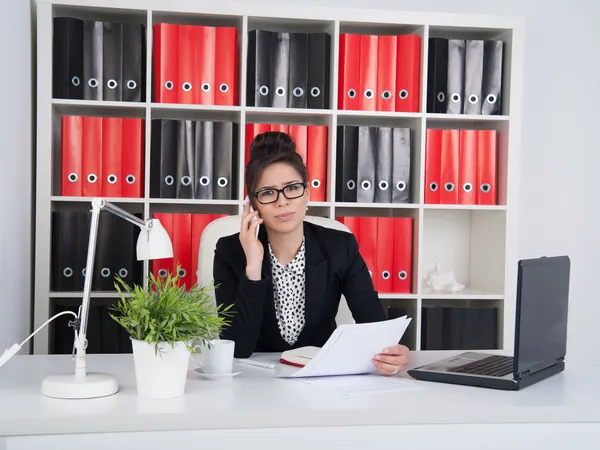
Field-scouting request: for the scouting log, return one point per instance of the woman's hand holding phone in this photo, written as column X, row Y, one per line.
column 253, row 248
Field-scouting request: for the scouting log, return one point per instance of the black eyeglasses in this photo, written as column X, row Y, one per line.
column 291, row 191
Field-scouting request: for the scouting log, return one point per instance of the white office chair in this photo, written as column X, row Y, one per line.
column 228, row 225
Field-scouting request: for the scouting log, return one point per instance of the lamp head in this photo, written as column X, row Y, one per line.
column 154, row 242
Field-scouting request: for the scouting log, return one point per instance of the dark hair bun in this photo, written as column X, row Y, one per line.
column 271, row 143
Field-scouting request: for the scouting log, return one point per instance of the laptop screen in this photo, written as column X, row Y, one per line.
column 542, row 299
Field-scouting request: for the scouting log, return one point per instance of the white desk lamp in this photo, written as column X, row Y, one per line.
column 153, row 243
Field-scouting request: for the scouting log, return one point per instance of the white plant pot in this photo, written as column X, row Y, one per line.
column 162, row 374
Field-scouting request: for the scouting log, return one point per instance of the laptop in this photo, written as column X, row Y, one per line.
column 540, row 335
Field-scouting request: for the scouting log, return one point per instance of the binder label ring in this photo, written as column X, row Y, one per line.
column 168, row 85
column 455, row 98
column 473, row 99
column 204, row 181
column 182, row 273
column 351, row 93
column 351, row 185
column 315, row 91
column 386, row 95
column 433, row 186
column 449, row 187
column 93, row 83
column 68, row 272
column 383, row 185
column 130, row 179
column 222, row 182
column 83, row 271
column 105, row 272
column 131, row 84
column 402, row 275
column 368, row 93
column 72, row 177
column 491, row 99
column 280, row 92
column 186, row 86
column 75, row 81
column 111, row 84
column 401, row 185
column 441, row 97
column 366, row 185
column 123, row 272
column 206, row 87
column 403, row 94
column 162, row 273
column 386, row 275
column 298, row 91
column 186, row 180
column 92, row 178
column 485, row 187
column 112, row 178
column 316, row 183
column 264, row 90
column 467, row 187
column 224, row 87
column 169, row 180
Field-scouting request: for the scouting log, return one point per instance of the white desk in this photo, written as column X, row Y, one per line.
column 256, row 410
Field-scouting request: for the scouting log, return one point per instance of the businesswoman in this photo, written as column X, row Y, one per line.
column 286, row 285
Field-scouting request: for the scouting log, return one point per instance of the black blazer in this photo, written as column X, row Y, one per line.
column 333, row 267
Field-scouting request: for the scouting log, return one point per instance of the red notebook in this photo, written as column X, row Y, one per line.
column 299, row 357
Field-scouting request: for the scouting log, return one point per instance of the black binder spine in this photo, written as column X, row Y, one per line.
column 204, row 156
column 298, row 77
column 185, row 159
column 134, row 63
column 67, row 58
column 383, row 166
column 456, row 75
column 347, row 163
column 163, row 158
column 222, row 168
column 64, row 248
column 93, row 37
column 281, row 69
column 259, row 84
column 112, row 61
column 492, row 77
column 319, row 53
column 437, row 78
column 367, row 148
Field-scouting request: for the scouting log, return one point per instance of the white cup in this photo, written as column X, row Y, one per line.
column 216, row 358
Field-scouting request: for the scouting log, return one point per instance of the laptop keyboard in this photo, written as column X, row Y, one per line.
column 495, row 366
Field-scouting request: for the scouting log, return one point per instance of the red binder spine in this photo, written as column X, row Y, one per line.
column 353, row 224
column 92, row 157
column 187, row 64
column 162, row 267
column 317, row 162
column 386, row 73
column 299, row 134
column 71, row 156
column 486, row 167
column 253, row 130
column 368, row 72
column 408, row 71
column 433, row 160
column 182, row 249
column 450, row 161
column 206, row 46
column 403, row 249
column 226, row 66
column 199, row 222
column 133, row 150
column 467, row 173
column 349, row 79
column 367, row 245
column 385, row 253
column 165, row 37
column 112, row 162
column 284, row 128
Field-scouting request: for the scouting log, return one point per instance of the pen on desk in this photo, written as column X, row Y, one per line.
column 251, row 362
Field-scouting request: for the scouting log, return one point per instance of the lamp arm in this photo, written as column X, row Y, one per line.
column 98, row 204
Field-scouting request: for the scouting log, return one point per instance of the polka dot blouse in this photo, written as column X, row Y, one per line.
column 288, row 290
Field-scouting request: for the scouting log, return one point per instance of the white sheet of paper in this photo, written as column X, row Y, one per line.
column 361, row 384
column 351, row 348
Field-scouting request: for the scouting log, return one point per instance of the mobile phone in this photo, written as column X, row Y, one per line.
column 254, row 218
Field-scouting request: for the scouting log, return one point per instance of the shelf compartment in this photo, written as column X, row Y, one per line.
column 471, row 244
column 395, row 308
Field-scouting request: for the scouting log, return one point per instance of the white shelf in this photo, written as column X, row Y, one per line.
column 478, row 242
column 94, row 294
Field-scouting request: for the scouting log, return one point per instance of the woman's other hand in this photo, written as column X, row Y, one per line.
column 391, row 360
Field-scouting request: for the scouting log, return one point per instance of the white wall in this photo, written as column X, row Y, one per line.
column 558, row 214
column 15, row 172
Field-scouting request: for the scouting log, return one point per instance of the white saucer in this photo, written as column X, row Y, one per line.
column 219, row 376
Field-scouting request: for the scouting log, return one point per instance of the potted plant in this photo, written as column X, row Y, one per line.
column 164, row 322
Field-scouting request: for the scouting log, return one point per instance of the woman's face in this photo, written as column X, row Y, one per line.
column 283, row 215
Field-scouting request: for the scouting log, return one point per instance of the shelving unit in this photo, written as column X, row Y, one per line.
column 478, row 242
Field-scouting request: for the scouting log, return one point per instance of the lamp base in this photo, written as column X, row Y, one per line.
column 92, row 386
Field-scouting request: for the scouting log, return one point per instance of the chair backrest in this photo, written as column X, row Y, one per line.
column 225, row 226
